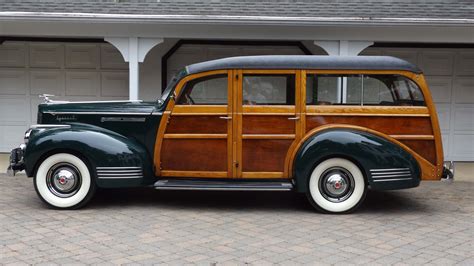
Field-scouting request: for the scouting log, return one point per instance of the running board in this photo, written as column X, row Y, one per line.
column 222, row 185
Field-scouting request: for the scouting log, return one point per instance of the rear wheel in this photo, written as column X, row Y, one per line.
column 64, row 181
column 336, row 185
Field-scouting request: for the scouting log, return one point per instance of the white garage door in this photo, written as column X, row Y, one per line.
column 192, row 53
column 450, row 76
column 71, row 71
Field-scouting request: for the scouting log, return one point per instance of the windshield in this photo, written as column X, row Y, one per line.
column 171, row 85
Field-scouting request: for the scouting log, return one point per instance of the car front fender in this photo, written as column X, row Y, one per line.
column 101, row 148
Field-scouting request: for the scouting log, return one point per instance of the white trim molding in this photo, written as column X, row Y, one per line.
column 134, row 51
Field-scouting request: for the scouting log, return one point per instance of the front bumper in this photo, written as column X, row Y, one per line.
column 16, row 160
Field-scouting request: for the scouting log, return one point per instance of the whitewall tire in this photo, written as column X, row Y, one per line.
column 336, row 185
column 64, row 181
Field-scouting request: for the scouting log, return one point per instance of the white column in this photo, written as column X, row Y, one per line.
column 343, row 48
column 134, row 51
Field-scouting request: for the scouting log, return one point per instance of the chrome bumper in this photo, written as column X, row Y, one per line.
column 16, row 160
column 448, row 171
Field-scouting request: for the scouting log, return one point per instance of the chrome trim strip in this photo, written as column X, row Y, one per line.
column 385, row 176
column 119, row 101
column 224, row 189
column 94, row 113
column 118, row 167
column 120, row 174
column 120, row 177
column 390, row 173
column 389, row 169
column 49, row 125
column 122, row 119
column 120, row 171
column 393, row 179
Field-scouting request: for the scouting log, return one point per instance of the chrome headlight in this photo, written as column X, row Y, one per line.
column 26, row 138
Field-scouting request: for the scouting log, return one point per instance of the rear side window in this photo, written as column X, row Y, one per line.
column 390, row 90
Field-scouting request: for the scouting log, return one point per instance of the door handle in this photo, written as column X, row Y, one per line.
column 294, row 118
column 225, row 117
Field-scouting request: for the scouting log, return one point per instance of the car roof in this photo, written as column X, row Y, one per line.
column 305, row 62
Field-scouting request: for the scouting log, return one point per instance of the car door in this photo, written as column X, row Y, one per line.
column 268, row 123
column 196, row 131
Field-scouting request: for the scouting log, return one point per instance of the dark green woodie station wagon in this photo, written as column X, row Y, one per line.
column 330, row 127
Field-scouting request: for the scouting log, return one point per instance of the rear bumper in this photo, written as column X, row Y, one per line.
column 448, row 171
column 16, row 160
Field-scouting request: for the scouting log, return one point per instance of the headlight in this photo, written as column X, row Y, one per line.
column 26, row 138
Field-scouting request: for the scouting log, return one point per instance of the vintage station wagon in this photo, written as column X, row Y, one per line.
column 330, row 127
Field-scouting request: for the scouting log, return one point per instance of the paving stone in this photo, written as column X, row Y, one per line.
column 430, row 224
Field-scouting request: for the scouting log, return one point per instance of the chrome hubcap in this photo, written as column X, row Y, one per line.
column 336, row 184
column 63, row 180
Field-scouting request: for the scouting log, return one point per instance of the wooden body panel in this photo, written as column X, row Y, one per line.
column 261, row 141
column 206, row 124
column 386, row 124
column 194, row 154
column 264, row 155
column 196, row 140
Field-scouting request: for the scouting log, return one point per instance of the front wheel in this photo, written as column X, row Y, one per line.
column 64, row 181
column 336, row 186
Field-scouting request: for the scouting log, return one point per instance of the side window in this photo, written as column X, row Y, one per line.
column 268, row 89
column 394, row 90
column 333, row 89
column 210, row 90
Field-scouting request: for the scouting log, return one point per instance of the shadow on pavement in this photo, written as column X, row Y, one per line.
column 376, row 201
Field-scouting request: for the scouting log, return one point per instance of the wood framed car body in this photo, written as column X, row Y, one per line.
column 327, row 126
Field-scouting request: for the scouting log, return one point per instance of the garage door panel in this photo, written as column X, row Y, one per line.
column 463, row 146
column 445, row 139
column 464, row 90
column 13, row 82
column 465, row 64
column 11, row 136
column 46, row 55
column 114, row 84
column 47, row 81
column 82, row 56
column 440, row 88
column 410, row 56
column 13, row 55
column 34, row 102
column 444, row 114
column 13, row 110
column 437, row 63
column 464, row 118
column 82, row 83
column 111, row 58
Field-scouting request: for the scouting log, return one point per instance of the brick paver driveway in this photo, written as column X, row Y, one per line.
column 433, row 223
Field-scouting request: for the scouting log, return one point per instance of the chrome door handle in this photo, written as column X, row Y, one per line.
column 294, row 118
column 225, row 117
